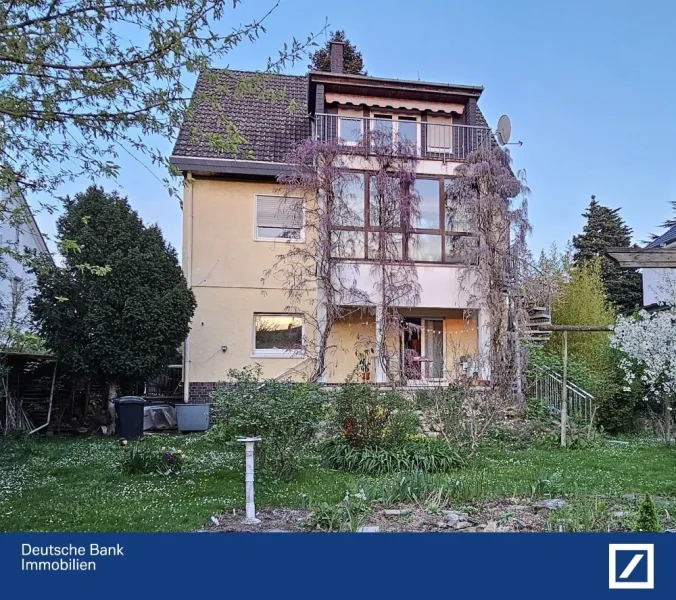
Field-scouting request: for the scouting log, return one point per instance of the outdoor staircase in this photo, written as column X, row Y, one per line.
column 531, row 297
column 547, row 386
column 537, row 315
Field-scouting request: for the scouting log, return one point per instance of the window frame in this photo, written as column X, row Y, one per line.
column 395, row 118
column 443, row 231
column 257, row 238
column 276, row 352
column 439, row 149
column 355, row 116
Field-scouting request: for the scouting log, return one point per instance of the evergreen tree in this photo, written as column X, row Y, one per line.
column 605, row 229
column 648, row 520
column 118, row 306
column 352, row 60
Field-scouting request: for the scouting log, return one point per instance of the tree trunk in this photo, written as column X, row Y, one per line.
column 110, row 408
column 667, row 417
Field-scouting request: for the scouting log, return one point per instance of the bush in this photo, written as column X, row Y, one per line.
column 347, row 515
column 368, row 418
column 285, row 415
column 647, row 516
column 418, row 454
column 142, row 459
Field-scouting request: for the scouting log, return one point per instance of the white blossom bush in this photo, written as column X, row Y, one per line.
column 648, row 343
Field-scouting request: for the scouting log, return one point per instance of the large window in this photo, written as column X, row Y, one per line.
column 362, row 216
column 428, row 190
column 349, row 202
column 457, row 217
column 278, row 218
column 424, row 247
column 277, row 334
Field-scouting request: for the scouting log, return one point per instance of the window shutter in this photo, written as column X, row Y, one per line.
column 275, row 211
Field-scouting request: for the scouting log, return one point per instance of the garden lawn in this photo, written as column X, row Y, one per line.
column 62, row 484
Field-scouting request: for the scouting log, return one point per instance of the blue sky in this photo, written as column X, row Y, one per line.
column 589, row 87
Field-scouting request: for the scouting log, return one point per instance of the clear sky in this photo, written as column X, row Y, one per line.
column 590, row 87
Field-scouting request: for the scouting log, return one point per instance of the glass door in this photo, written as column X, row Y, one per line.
column 433, row 348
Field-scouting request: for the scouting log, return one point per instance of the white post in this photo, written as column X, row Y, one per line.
column 484, row 326
column 381, row 332
column 249, row 479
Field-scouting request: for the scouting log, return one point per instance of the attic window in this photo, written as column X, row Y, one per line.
column 278, row 218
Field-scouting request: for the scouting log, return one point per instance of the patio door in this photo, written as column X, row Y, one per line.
column 433, row 348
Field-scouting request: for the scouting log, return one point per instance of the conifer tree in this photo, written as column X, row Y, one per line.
column 118, row 306
column 352, row 59
column 606, row 229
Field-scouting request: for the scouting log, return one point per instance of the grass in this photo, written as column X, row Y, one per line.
column 54, row 484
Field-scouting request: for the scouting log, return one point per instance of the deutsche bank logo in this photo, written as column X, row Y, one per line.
column 631, row 566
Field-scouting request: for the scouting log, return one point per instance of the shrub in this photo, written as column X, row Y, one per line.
column 647, row 516
column 418, row 454
column 142, row 459
column 285, row 415
column 368, row 418
column 347, row 515
column 464, row 413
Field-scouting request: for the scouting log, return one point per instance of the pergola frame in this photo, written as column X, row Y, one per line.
column 643, row 258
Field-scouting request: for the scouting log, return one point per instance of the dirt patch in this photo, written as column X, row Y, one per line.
column 502, row 515
column 271, row 520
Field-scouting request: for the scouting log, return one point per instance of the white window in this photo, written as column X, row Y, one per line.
column 278, row 218
column 440, row 135
column 278, row 334
column 350, row 126
column 403, row 128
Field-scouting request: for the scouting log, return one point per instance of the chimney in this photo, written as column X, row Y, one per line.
column 337, row 50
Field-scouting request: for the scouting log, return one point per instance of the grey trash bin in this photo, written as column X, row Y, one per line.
column 192, row 416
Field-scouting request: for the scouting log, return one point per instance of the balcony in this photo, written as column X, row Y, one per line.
column 431, row 141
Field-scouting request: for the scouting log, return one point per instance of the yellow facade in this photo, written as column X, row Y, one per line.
column 225, row 266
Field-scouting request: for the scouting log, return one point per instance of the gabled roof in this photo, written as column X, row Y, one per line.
column 665, row 239
column 269, row 111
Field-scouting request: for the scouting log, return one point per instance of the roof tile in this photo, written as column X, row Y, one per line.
column 268, row 110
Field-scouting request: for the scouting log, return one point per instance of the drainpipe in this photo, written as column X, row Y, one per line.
column 187, row 270
column 51, row 398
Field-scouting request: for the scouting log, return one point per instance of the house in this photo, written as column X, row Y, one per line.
column 18, row 232
column 234, row 227
column 657, row 281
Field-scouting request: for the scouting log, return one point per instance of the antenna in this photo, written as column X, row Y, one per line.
column 504, row 132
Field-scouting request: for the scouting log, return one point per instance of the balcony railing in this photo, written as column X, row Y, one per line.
column 433, row 141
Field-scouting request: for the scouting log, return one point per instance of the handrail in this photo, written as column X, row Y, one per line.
column 436, row 141
column 549, row 387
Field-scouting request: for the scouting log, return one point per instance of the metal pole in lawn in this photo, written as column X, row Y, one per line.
column 249, row 478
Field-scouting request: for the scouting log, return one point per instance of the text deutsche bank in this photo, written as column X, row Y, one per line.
column 65, row 558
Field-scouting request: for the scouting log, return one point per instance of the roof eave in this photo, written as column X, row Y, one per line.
column 368, row 81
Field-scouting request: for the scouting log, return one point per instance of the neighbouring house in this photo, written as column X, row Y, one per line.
column 19, row 232
column 658, row 282
column 233, row 227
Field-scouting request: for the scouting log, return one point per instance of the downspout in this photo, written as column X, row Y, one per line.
column 187, row 270
column 51, row 399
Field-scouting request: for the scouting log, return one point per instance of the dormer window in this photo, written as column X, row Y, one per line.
column 403, row 128
column 350, row 127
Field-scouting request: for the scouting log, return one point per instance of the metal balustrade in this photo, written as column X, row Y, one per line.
column 432, row 141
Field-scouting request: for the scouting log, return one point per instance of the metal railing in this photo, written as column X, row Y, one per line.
column 434, row 141
column 549, row 388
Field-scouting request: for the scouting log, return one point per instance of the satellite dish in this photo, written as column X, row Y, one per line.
column 504, row 130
